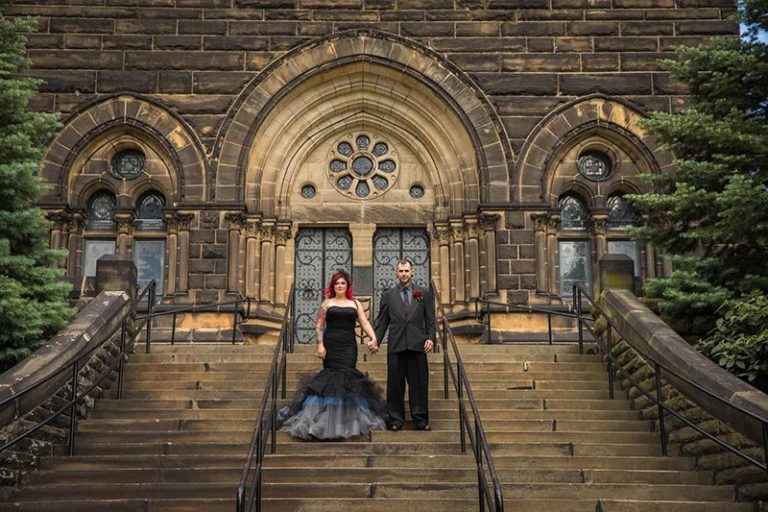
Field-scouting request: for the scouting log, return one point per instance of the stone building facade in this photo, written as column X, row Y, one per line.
column 244, row 145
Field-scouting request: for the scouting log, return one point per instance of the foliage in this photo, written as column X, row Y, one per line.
column 32, row 296
column 711, row 212
column 739, row 341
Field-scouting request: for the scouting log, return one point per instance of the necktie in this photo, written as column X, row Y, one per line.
column 406, row 296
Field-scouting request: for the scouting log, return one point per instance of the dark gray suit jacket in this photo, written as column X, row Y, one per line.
column 409, row 325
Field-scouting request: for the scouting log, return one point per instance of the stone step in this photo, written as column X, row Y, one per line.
column 204, row 381
column 465, row 471
column 511, row 425
column 379, row 375
column 380, row 364
column 483, row 404
column 244, row 435
column 362, row 358
column 449, row 412
column 242, row 391
column 386, row 490
column 371, row 505
column 651, row 465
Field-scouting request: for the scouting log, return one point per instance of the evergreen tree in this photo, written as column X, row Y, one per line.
column 711, row 213
column 32, row 296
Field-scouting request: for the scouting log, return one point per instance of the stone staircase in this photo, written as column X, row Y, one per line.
column 178, row 439
column 561, row 444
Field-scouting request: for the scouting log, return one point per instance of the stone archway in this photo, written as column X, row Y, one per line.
column 287, row 125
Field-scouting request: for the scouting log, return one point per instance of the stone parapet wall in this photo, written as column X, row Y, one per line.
column 97, row 325
column 646, row 331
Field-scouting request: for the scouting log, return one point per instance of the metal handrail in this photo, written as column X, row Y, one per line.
column 76, row 396
column 480, row 447
column 506, row 308
column 579, row 293
column 237, row 319
column 249, row 494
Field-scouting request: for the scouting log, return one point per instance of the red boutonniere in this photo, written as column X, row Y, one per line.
column 418, row 296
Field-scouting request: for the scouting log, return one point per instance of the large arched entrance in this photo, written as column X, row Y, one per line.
column 364, row 140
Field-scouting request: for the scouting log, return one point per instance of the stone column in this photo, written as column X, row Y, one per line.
column 59, row 218
column 457, row 261
column 124, row 222
column 282, row 235
column 253, row 258
column 443, row 237
column 553, row 222
column 488, row 223
column 650, row 261
column 74, row 244
column 171, row 250
column 236, row 223
column 472, row 262
column 540, row 221
column 599, row 228
column 599, row 225
column 267, row 291
column 185, row 221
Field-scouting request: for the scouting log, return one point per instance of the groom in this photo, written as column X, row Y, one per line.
column 409, row 313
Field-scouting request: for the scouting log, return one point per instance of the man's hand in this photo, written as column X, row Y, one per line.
column 373, row 347
column 429, row 346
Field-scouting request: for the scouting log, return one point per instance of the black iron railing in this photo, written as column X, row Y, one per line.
column 69, row 389
column 484, row 309
column 238, row 316
column 489, row 493
column 249, row 490
column 660, row 370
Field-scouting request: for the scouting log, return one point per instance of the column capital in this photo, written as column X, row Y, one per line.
column 599, row 224
column 282, row 233
column 237, row 220
column 124, row 222
column 540, row 220
column 489, row 221
column 442, row 233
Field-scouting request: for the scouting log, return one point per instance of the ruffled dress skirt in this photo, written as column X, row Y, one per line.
column 334, row 404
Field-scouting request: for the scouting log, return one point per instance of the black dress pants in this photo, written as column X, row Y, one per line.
column 410, row 366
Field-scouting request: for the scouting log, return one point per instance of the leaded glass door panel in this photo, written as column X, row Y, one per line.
column 319, row 253
column 389, row 246
column 575, row 266
column 149, row 257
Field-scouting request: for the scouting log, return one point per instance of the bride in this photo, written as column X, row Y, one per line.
column 338, row 401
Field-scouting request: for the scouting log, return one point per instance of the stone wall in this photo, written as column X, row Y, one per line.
column 550, row 77
column 648, row 333
column 97, row 328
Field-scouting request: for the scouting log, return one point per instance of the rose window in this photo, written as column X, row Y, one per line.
column 362, row 166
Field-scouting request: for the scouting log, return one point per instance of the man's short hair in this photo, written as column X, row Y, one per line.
column 405, row 261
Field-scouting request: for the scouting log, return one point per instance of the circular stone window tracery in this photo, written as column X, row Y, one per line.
column 362, row 166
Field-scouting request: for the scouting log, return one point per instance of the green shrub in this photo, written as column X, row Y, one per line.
column 739, row 342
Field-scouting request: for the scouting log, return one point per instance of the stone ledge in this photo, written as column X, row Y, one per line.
column 648, row 334
column 96, row 323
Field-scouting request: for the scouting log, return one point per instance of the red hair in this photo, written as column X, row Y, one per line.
column 330, row 292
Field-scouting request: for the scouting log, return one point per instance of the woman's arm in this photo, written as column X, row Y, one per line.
column 320, row 329
column 364, row 323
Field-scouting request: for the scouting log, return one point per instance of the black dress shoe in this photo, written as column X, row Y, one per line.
column 394, row 427
column 423, row 427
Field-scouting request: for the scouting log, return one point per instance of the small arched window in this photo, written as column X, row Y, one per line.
column 573, row 214
column 101, row 211
column 620, row 213
column 150, row 212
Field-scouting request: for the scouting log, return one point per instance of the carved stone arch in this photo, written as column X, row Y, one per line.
column 577, row 190
column 457, row 94
column 96, row 124
column 595, row 116
column 91, row 189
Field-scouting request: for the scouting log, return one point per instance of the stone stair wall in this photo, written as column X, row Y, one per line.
column 727, row 467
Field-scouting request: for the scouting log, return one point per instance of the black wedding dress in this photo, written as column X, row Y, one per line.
column 339, row 401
